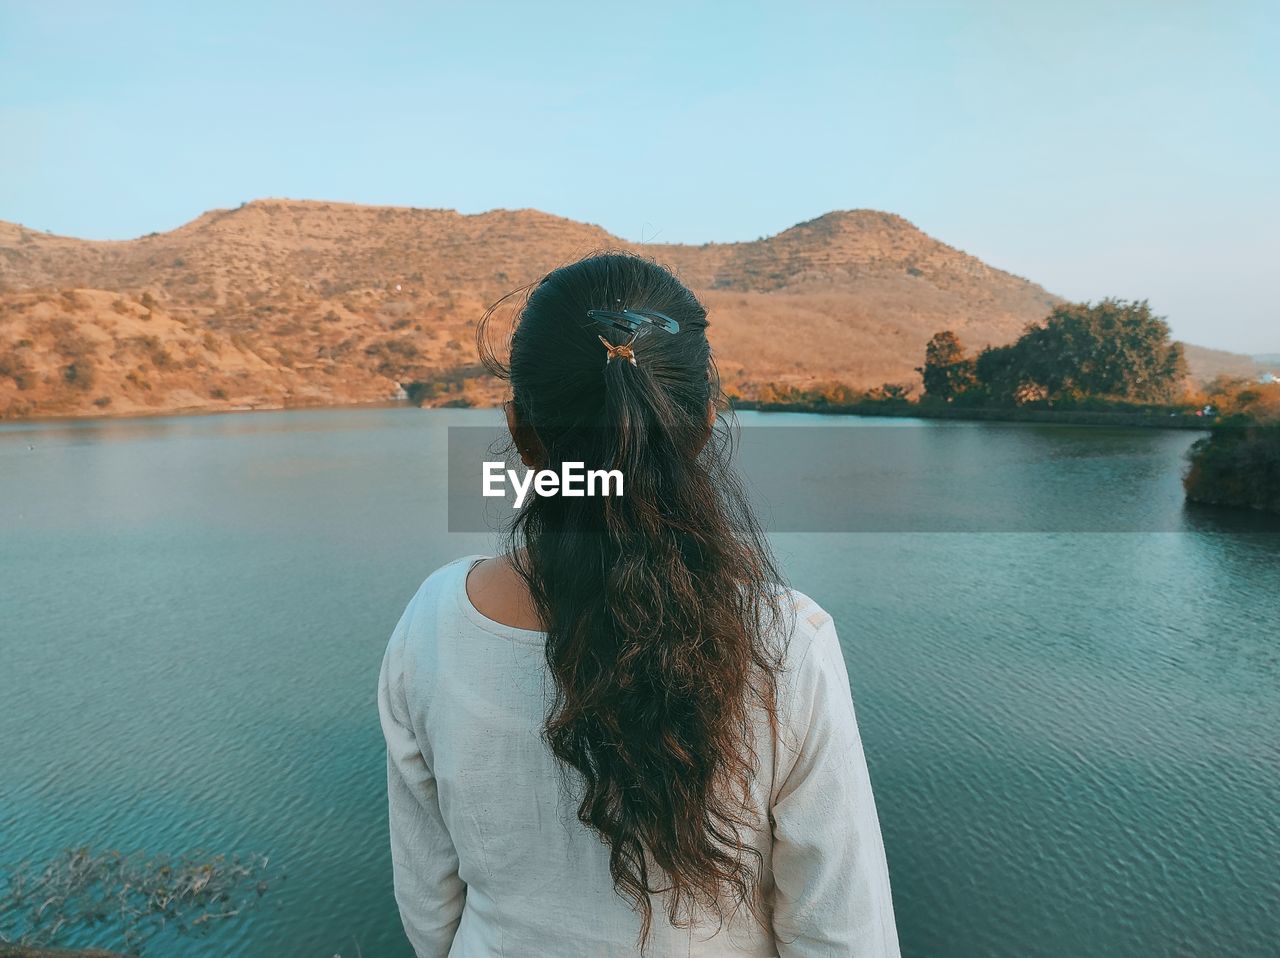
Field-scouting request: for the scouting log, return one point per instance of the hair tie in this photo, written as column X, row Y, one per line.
column 620, row 351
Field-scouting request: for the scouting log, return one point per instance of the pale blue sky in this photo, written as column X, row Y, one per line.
column 1124, row 148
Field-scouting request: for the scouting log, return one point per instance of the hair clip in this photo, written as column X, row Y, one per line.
column 630, row 320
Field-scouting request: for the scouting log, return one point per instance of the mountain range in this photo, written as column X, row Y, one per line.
column 287, row 303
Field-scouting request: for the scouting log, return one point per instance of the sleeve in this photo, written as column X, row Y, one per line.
column 831, row 879
column 424, row 863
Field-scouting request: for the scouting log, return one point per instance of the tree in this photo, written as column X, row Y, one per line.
column 1238, row 463
column 947, row 372
column 1001, row 375
column 1110, row 350
column 1113, row 349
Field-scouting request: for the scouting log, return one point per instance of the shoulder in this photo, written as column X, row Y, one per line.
column 441, row 584
column 433, row 607
column 434, row 600
column 808, row 629
column 814, row 682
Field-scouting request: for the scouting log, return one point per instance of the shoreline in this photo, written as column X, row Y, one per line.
column 192, row 411
column 906, row 410
column 899, row 410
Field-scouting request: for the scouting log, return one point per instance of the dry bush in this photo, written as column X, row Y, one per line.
column 81, row 374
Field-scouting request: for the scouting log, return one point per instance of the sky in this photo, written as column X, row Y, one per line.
column 1124, row 148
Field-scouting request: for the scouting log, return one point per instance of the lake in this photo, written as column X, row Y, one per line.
column 1071, row 726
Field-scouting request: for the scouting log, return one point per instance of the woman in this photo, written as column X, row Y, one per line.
column 622, row 736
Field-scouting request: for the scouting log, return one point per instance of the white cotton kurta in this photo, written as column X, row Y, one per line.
column 489, row 858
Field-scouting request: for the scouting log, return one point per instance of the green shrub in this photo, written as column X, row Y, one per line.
column 1237, row 464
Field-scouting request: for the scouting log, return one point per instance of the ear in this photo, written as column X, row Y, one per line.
column 711, row 424
column 522, row 434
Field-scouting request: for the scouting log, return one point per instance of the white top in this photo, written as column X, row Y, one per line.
column 490, row 860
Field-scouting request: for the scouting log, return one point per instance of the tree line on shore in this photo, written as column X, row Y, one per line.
column 1113, row 360
column 1114, row 351
column 1113, row 355
column 1119, row 354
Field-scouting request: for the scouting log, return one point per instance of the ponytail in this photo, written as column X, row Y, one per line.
column 657, row 603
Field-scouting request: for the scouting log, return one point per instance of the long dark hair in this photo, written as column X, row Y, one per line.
column 658, row 604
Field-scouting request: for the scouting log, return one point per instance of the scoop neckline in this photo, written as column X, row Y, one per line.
column 476, row 617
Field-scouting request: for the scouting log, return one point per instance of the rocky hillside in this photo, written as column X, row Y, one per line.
column 282, row 302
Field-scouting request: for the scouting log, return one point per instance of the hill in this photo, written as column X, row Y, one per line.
column 284, row 302
column 1206, row 363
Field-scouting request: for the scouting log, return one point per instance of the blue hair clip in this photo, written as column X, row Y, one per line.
column 630, row 320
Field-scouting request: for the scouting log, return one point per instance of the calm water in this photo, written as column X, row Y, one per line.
column 1073, row 736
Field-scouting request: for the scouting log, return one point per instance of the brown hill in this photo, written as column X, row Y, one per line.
column 1207, row 363
column 283, row 302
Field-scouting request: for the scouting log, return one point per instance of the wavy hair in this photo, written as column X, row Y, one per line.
column 658, row 604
